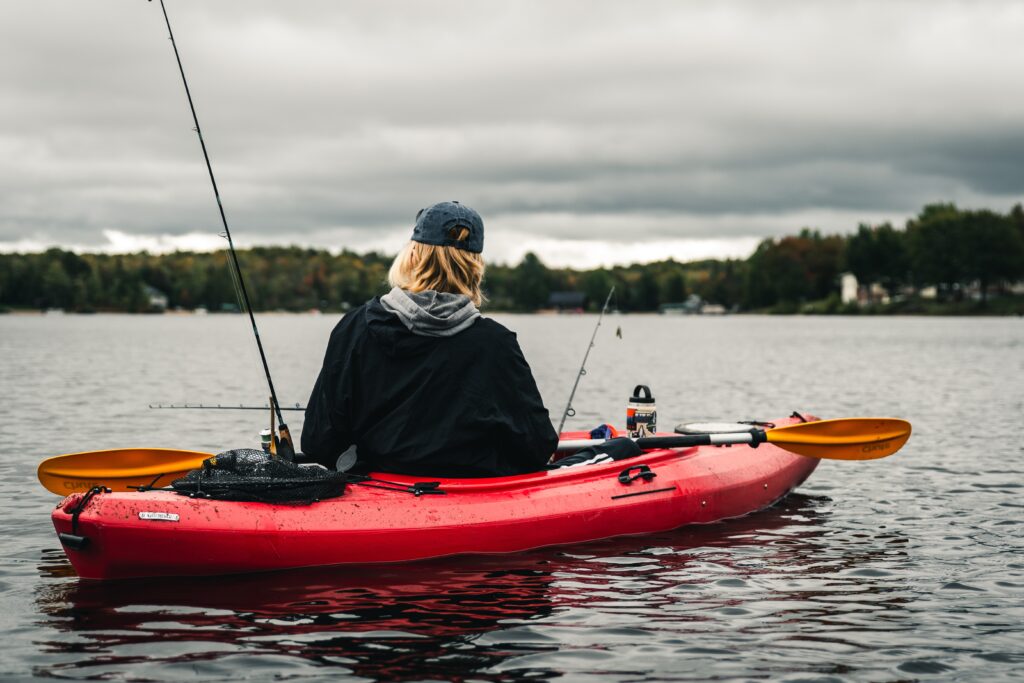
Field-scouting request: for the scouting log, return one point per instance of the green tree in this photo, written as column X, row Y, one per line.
column 893, row 256
column 530, row 287
column 646, row 290
column 56, row 286
column 878, row 254
column 596, row 285
column 862, row 255
column 935, row 239
column 1016, row 217
column 675, row 288
column 793, row 269
column 993, row 249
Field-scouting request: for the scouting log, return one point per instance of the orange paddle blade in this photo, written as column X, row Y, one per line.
column 117, row 469
column 852, row 438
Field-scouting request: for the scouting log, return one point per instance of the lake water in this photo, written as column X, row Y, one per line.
column 910, row 568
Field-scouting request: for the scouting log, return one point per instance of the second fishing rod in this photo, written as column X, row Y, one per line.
column 569, row 410
column 283, row 440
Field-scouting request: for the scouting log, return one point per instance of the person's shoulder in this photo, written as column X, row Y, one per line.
column 492, row 329
column 487, row 333
column 351, row 321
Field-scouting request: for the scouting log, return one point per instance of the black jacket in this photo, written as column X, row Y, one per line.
column 460, row 406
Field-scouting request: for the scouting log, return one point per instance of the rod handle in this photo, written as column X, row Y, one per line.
column 285, row 446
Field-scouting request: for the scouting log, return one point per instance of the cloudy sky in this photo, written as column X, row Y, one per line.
column 588, row 131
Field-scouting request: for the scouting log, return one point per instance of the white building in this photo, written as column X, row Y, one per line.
column 848, row 288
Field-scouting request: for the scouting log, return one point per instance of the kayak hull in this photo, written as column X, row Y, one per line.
column 160, row 533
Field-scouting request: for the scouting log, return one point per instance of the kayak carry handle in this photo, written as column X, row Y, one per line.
column 72, row 541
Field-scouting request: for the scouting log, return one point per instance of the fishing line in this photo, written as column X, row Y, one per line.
column 235, row 285
column 285, row 447
column 569, row 411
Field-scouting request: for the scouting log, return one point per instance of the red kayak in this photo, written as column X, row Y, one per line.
column 161, row 533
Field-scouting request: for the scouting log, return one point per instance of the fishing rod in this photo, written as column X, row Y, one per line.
column 200, row 406
column 285, row 447
column 569, row 411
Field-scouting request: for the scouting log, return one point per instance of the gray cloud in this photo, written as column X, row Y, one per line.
column 587, row 121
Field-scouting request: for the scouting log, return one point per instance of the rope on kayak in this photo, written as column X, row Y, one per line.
column 418, row 489
column 77, row 510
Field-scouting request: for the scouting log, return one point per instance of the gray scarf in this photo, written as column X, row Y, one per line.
column 430, row 313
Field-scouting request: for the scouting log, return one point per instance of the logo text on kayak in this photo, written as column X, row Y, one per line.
column 160, row 516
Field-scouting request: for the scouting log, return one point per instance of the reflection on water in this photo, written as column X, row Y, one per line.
column 392, row 621
column 616, row 606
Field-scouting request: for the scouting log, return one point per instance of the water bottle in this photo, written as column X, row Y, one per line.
column 641, row 413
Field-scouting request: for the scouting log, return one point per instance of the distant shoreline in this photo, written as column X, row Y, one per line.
column 996, row 309
column 945, row 261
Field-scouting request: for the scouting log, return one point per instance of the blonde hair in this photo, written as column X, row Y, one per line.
column 419, row 267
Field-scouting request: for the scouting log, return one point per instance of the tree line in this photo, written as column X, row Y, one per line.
column 943, row 246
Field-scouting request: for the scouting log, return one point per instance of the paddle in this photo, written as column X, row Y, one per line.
column 852, row 438
column 855, row 438
column 118, row 469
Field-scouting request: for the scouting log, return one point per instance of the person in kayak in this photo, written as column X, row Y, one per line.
column 419, row 381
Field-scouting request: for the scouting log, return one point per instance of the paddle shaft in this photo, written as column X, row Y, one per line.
column 854, row 438
column 681, row 441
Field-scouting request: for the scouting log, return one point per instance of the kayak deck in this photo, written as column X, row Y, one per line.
column 160, row 533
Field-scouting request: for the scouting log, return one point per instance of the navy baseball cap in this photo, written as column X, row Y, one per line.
column 439, row 225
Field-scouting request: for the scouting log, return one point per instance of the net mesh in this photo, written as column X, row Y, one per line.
column 246, row 474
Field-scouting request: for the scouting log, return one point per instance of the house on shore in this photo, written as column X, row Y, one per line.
column 693, row 305
column 156, row 299
column 568, row 302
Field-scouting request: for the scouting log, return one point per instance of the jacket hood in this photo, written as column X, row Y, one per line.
column 430, row 313
column 408, row 323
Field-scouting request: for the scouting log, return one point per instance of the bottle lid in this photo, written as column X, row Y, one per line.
column 637, row 398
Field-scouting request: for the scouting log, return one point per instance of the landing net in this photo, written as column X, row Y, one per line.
column 247, row 474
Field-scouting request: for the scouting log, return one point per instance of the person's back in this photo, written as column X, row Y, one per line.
column 419, row 381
